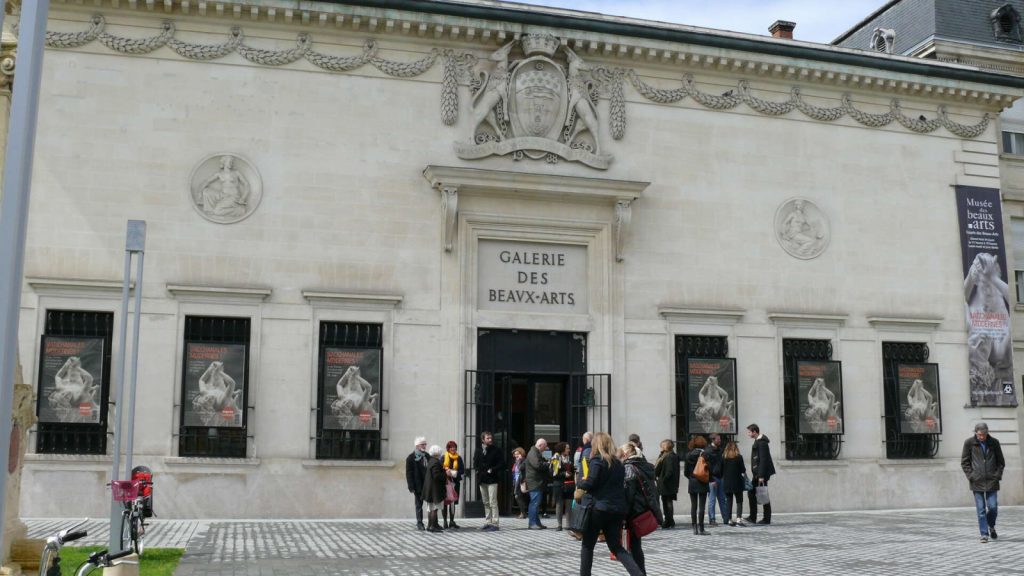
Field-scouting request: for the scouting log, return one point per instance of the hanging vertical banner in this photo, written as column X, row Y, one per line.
column 820, row 396
column 987, row 297
column 711, row 388
column 917, row 389
column 351, row 381
column 214, row 384
column 70, row 379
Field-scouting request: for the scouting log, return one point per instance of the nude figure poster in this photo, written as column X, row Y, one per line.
column 711, row 388
column 917, row 389
column 986, row 297
column 70, row 380
column 820, row 396
column 350, row 378
column 214, row 385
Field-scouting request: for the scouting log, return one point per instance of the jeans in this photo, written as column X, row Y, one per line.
column 716, row 495
column 987, row 505
column 535, row 498
column 489, row 494
column 636, row 549
column 727, row 513
column 611, row 525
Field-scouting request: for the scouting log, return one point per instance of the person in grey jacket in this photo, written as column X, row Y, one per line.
column 983, row 463
column 537, row 475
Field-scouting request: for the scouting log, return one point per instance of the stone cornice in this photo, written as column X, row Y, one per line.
column 617, row 41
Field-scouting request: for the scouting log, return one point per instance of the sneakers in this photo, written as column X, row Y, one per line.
column 984, row 539
column 992, row 533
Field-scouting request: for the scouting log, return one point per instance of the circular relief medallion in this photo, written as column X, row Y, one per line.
column 801, row 228
column 225, row 188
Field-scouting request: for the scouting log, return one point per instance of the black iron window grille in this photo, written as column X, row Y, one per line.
column 350, row 429
column 215, row 425
column 692, row 347
column 77, row 437
column 897, row 445
column 804, row 446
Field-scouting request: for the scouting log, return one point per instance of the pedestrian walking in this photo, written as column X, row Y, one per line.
column 563, row 482
column 415, row 472
column 604, row 492
column 667, row 471
column 715, row 493
column 454, row 471
column 433, row 488
column 733, row 469
column 519, row 492
column 762, row 468
column 697, row 488
column 537, row 474
column 983, row 464
column 641, row 496
column 489, row 464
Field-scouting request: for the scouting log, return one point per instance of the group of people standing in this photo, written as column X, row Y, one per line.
column 435, row 481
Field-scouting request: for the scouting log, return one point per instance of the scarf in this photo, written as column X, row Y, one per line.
column 451, row 462
column 419, row 454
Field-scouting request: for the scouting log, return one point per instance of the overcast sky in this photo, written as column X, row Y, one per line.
column 816, row 20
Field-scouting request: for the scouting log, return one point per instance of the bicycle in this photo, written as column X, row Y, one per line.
column 102, row 559
column 49, row 561
column 133, row 522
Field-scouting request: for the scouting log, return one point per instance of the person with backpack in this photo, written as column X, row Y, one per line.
column 667, row 471
column 697, row 470
column 641, row 495
column 733, row 470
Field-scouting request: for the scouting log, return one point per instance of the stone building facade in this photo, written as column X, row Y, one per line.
column 371, row 221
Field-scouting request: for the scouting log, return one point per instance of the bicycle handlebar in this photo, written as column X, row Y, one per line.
column 72, row 536
column 120, row 554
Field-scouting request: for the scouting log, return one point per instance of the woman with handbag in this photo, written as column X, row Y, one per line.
column 667, row 472
column 699, row 483
column 519, row 492
column 733, row 483
column 453, row 468
column 563, row 482
column 643, row 514
column 602, row 499
column 433, row 488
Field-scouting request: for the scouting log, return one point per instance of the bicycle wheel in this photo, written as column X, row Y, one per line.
column 126, row 529
column 138, row 534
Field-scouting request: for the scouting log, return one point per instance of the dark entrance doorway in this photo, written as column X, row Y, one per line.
column 531, row 385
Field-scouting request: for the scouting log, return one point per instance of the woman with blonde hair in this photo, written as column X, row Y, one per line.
column 733, row 470
column 604, row 491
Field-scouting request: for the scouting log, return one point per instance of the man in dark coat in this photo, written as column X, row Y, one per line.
column 716, row 494
column 434, row 488
column 415, row 472
column 537, row 473
column 982, row 462
column 761, row 468
column 489, row 463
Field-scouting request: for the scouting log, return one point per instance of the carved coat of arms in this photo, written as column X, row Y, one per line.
column 541, row 106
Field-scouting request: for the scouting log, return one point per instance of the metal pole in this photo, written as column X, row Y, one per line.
column 130, row 408
column 17, row 184
column 115, row 412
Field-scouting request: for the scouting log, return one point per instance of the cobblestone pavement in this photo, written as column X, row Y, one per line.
column 932, row 542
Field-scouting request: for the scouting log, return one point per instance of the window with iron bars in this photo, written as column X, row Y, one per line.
column 687, row 347
column 804, row 446
column 336, row 439
column 897, row 445
column 213, row 440
column 77, row 437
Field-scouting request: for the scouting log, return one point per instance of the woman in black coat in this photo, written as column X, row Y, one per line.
column 434, row 488
column 698, row 490
column 733, row 470
column 667, row 472
column 641, row 495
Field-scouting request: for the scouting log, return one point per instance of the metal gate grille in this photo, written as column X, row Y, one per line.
column 804, row 446
column 79, row 438
column 898, row 446
column 692, row 347
column 211, row 441
column 348, row 444
column 590, row 405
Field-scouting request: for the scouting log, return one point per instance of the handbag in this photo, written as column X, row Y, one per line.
column 450, row 495
column 581, row 516
column 643, row 524
column 700, row 470
column 747, row 484
column 762, row 495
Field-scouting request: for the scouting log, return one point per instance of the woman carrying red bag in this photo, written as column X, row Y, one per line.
column 643, row 511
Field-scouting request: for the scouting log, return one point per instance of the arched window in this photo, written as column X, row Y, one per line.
column 1006, row 23
column 883, row 40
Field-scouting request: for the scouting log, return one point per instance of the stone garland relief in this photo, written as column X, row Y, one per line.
column 225, row 188
column 801, row 228
column 538, row 102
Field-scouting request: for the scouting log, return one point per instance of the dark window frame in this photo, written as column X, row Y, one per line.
column 349, row 444
column 1006, row 24
column 804, row 446
column 78, row 439
column 903, row 446
column 214, row 441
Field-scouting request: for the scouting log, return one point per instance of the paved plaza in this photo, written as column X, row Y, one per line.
column 932, row 542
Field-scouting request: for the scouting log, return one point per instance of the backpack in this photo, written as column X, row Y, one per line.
column 700, row 470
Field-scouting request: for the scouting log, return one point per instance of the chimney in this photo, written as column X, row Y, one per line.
column 782, row 29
